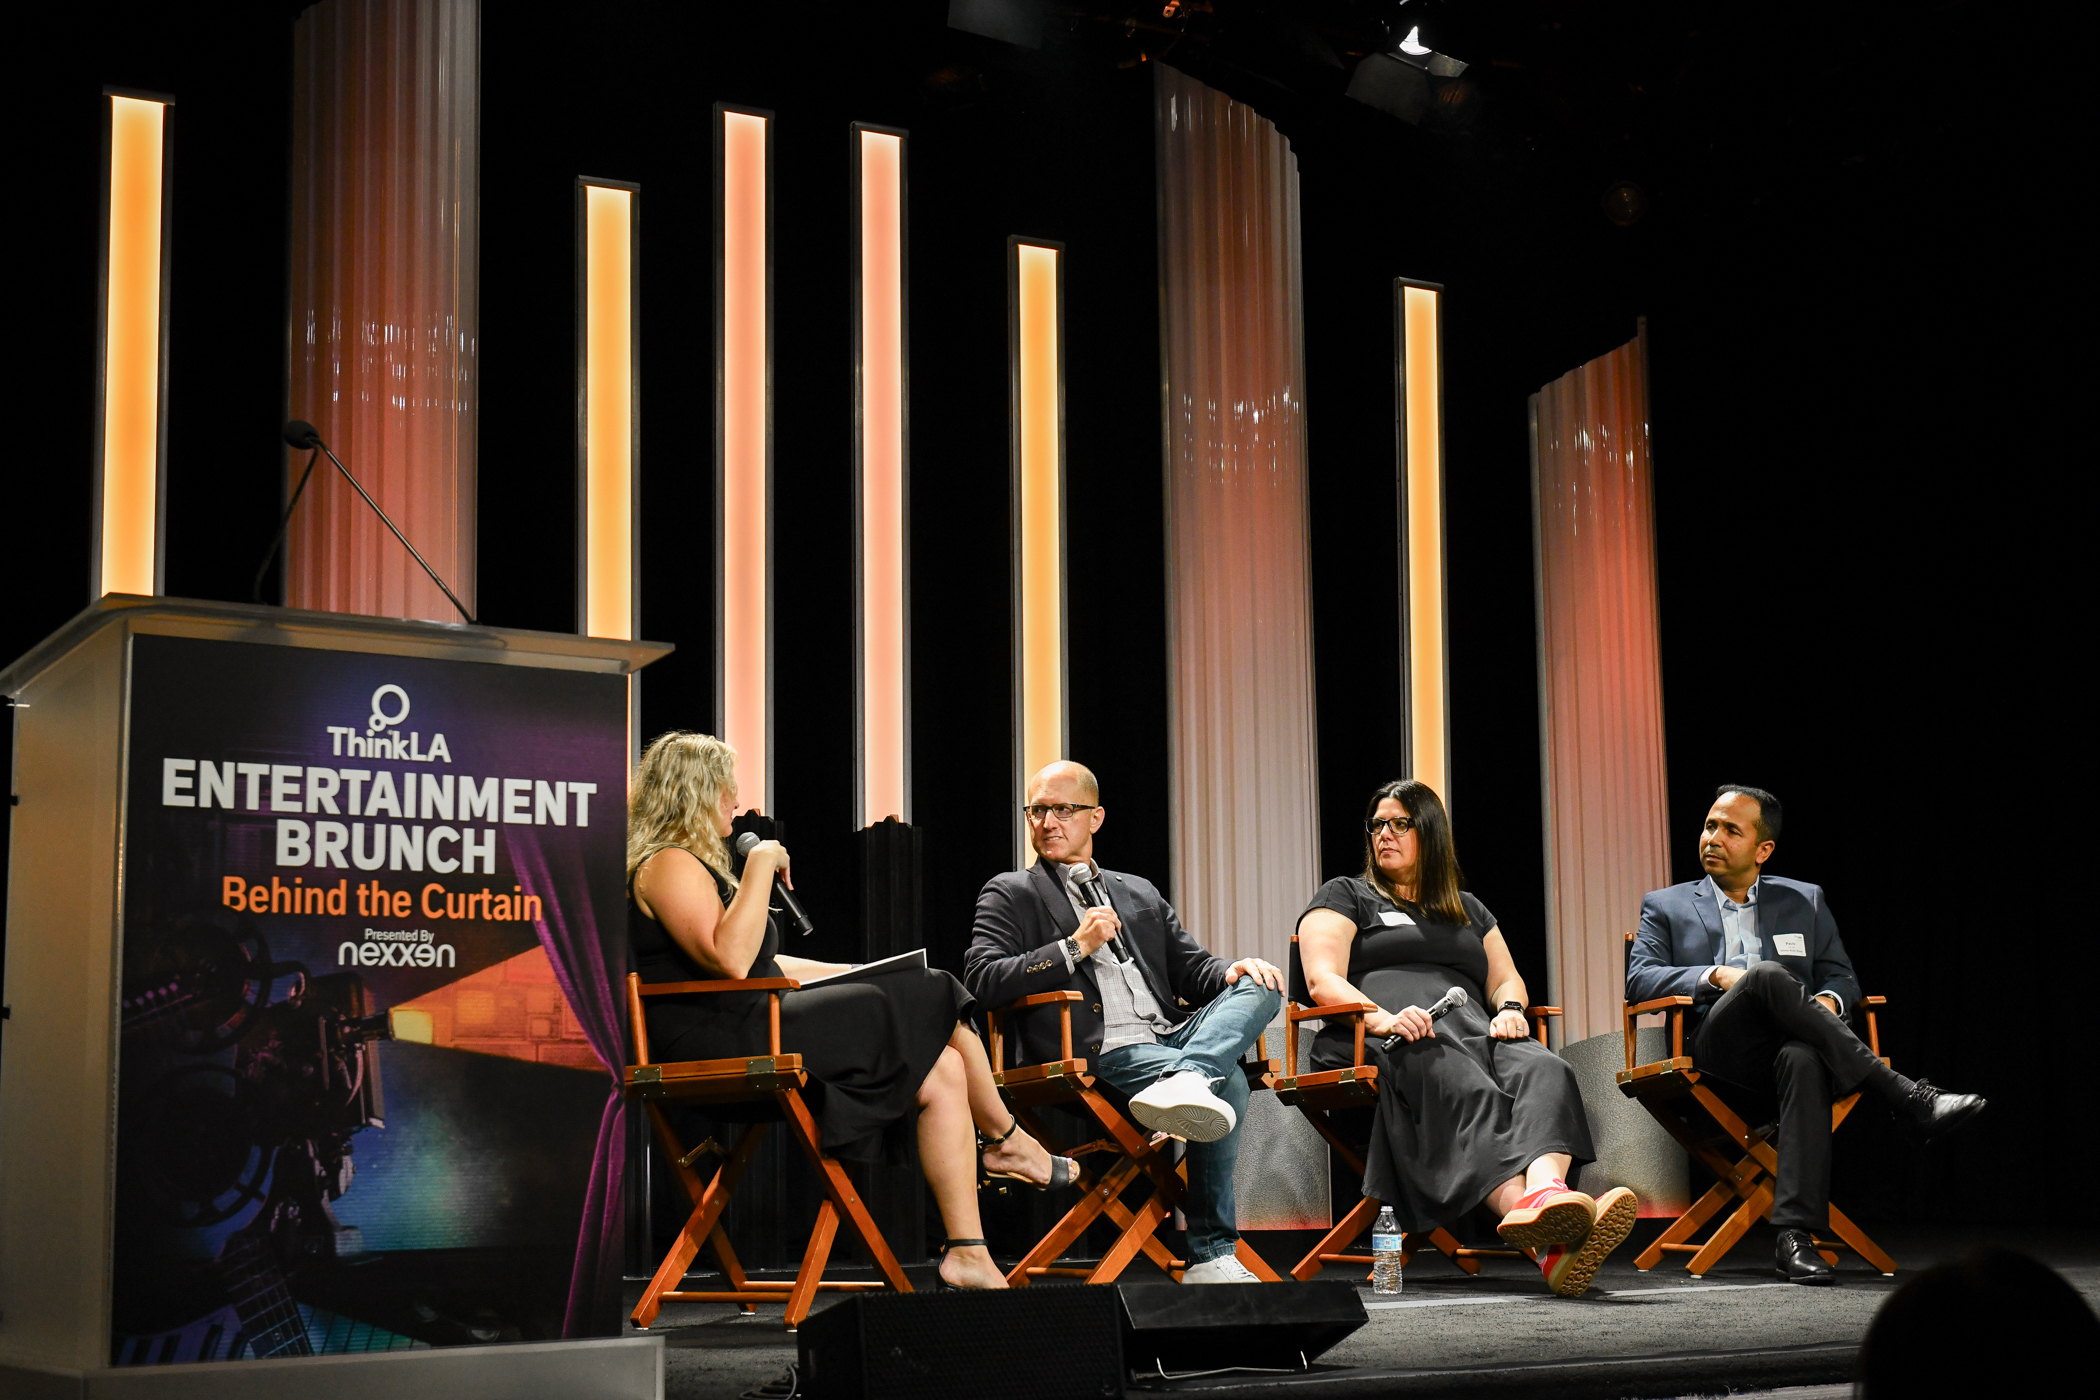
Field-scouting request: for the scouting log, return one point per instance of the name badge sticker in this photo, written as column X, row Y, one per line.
column 1790, row 945
column 1393, row 918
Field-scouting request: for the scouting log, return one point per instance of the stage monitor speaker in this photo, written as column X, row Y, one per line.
column 1173, row 1328
column 1062, row 1341
column 1055, row 1342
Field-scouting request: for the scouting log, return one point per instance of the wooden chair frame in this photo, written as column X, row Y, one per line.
column 1319, row 1094
column 1673, row 1093
column 1066, row 1080
column 774, row 1076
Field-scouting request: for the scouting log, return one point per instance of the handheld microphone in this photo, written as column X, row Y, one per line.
column 1455, row 997
column 745, row 844
column 1096, row 895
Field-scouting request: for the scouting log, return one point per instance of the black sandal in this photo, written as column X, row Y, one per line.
column 941, row 1285
column 1063, row 1170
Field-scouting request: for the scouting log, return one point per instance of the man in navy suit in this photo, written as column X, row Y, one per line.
column 1773, row 993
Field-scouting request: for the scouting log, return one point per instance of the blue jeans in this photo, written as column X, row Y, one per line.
column 1212, row 1044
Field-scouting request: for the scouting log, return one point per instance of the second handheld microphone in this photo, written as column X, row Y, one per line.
column 1455, row 997
column 747, row 843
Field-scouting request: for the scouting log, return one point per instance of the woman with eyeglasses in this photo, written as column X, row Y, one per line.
column 1471, row 1110
column 888, row 1058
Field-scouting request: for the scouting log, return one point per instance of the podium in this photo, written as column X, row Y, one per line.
column 314, row 926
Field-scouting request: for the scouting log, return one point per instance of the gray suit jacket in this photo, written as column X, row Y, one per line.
column 1680, row 938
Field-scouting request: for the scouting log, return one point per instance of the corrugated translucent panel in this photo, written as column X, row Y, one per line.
column 1245, row 795
column 1600, row 678
column 385, row 320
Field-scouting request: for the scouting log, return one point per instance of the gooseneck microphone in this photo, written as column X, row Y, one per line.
column 1455, row 997
column 1096, row 895
column 747, row 843
column 303, row 435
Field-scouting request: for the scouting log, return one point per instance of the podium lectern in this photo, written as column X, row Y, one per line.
column 313, row 928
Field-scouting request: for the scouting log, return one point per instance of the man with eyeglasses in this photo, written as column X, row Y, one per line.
column 1747, row 947
column 1163, row 1019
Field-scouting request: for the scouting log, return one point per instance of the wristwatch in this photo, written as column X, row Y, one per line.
column 1516, row 1006
column 1072, row 951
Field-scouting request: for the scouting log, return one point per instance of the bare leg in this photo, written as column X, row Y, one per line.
column 948, row 1157
column 1020, row 1153
column 1551, row 1167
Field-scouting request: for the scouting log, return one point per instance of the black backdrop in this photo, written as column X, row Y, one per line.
column 1863, row 466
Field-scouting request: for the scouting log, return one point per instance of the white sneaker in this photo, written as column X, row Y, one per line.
column 1226, row 1268
column 1182, row 1105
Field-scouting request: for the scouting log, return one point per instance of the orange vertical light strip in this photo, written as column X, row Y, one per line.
column 1042, row 561
column 131, row 389
column 1428, row 712
column 882, row 680
column 746, row 430
column 609, row 412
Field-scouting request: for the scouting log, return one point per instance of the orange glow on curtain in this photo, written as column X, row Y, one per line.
column 1600, row 678
column 385, row 301
column 1039, row 400
column 1428, row 716
column 131, row 388
column 608, row 412
column 747, row 451
column 1245, row 819
column 882, row 543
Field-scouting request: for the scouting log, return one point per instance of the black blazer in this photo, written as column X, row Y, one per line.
column 1022, row 916
column 1680, row 935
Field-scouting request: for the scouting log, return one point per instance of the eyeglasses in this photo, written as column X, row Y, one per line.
column 1399, row 826
column 1063, row 811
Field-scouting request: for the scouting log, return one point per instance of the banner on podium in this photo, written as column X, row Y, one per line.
column 362, row 896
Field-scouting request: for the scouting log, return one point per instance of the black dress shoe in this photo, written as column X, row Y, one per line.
column 1932, row 1113
column 1796, row 1260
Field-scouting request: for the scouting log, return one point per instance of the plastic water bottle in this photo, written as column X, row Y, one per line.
column 1385, row 1253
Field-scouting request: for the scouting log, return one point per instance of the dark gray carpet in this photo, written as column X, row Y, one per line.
column 1655, row 1334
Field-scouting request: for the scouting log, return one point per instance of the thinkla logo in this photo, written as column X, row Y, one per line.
column 390, row 706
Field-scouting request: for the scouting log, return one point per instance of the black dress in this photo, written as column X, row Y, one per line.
column 1461, row 1112
column 867, row 1046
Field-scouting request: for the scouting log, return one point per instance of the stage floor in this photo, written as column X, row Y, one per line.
column 1500, row 1333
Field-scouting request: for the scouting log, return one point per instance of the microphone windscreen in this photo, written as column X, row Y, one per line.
column 1457, row 996
column 748, row 842
column 302, row 434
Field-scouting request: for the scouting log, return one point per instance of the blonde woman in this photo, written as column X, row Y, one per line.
column 884, row 1056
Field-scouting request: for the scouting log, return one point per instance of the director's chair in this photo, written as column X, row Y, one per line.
column 773, row 1080
column 1324, row 1093
column 1677, row 1096
column 1065, row 1080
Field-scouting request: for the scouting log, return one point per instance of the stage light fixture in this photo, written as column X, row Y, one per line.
column 1036, row 352
column 131, row 423
column 1408, row 79
column 1418, row 391
column 882, row 479
column 744, row 445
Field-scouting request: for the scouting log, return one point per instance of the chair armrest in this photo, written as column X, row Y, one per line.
column 1043, row 999
column 1539, row 1016
column 1642, row 1008
column 1062, row 1000
column 1542, row 1011
column 1673, row 1005
column 727, row 984
column 1870, row 1005
column 773, row 986
column 1340, row 1008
